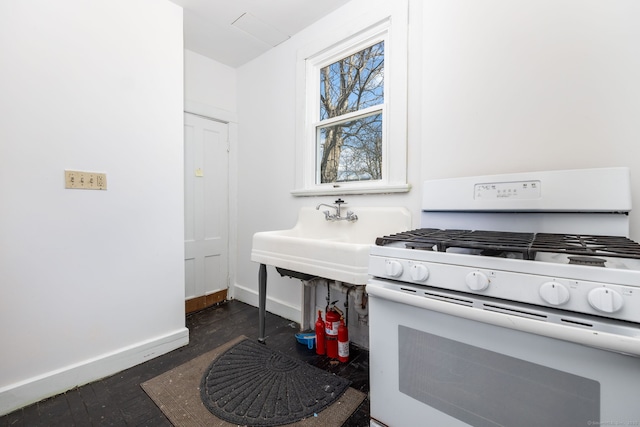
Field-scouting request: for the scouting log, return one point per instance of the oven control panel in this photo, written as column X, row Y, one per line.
column 519, row 190
column 577, row 190
column 582, row 296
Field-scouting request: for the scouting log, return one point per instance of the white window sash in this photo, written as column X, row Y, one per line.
column 348, row 116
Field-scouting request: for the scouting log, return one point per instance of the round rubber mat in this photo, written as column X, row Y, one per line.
column 252, row 385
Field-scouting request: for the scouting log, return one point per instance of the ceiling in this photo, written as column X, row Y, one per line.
column 234, row 32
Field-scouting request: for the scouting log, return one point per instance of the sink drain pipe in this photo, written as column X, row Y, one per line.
column 346, row 306
column 360, row 302
column 359, row 297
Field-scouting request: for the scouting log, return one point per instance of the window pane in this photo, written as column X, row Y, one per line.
column 351, row 150
column 353, row 83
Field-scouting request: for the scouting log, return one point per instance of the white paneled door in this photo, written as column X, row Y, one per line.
column 206, row 205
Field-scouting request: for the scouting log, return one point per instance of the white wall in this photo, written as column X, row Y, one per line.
column 209, row 87
column 531, row 85
column 92, row 282
column 495, row 86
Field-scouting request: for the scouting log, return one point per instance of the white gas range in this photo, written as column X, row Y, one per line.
column 517, row 303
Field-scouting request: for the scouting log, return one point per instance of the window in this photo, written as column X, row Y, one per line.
column 351, row 115
column 349, row 130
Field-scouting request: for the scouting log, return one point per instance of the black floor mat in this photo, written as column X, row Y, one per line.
column 253, row 385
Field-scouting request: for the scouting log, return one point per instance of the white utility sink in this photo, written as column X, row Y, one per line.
column 336, row 250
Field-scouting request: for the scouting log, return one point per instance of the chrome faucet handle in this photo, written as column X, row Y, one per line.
column 338, row 203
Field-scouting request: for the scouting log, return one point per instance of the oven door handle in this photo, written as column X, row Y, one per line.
column 603, row 340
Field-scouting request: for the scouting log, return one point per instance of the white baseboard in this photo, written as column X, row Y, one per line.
column 34, row 389
column 274, row 306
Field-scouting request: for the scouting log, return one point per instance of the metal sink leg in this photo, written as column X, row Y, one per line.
column 262, row 302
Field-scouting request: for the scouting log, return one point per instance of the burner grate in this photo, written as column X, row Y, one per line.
column 527, row 244
column 493, row 241
column 590, row 245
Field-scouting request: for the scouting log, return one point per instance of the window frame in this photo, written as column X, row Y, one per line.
column 394, row 108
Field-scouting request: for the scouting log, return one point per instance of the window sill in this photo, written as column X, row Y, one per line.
column 346, row 189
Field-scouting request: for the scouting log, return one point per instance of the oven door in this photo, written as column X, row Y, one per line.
column 434, row 365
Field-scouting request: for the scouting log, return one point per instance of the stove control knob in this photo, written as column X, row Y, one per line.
column 477, row 281
column 554, row 293
column 393, row 268
column 605, row 300
column 419, row 272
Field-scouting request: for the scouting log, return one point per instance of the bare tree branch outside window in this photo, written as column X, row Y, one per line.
column 351, row 150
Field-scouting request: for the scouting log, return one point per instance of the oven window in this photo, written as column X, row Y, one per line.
column 485, row 388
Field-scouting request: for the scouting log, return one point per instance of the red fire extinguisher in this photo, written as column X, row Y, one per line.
column 320, row 338
column 343, row 342
column 332, row 322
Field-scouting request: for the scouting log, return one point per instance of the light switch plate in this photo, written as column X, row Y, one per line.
column 85, row 180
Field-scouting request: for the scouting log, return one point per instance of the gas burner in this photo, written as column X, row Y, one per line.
column 587, row 260
column 502, row 254
column 520, row 245
column 492, row 243
column 586, row 245
column 420, row 246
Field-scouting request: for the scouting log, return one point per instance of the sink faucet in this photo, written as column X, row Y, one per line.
column 351, row 217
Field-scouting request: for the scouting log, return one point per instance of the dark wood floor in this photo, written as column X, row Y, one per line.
column 120, row 401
